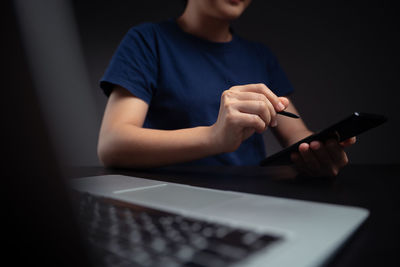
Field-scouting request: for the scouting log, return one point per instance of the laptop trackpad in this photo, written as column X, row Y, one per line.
column 105, row 184
column 176, row 196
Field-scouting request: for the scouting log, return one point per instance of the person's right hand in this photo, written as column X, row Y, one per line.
column 245, row 109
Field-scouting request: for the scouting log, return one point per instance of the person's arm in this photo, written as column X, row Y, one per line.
column 123, row 142
column 290, row 130
column 316, row 158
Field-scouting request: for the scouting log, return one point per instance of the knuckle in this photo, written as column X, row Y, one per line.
column 234, row 88
column 229, row 94
column 253, row 120
column 259, row 125
column 272, row 111
column 227, row 106
column 265, row 89
column 263, row 98
column 268, row 117
column 269, row 104
column 262, row 106
column 262, row 85
column 226, row 94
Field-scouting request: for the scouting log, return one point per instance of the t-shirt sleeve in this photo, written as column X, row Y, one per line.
column 134, row 64
column 279, row 82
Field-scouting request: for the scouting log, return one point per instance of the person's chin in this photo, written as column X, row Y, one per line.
column 232, row 16
column 232, row 13
column 235, row 2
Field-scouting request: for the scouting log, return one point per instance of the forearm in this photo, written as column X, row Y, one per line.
column 296, row 136
column 132, row 146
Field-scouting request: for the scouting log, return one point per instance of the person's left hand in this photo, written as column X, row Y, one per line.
column 322, row 159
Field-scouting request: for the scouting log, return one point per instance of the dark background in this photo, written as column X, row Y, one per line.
column 340, row 59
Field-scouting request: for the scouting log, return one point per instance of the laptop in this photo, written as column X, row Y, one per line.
column 116, row 220
column 296, row 233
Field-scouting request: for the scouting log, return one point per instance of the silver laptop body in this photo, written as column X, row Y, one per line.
column 311, row 232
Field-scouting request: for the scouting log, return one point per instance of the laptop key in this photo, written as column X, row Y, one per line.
column 165, row 261
column 148, row 237
column 227, row 251
column 183, row 252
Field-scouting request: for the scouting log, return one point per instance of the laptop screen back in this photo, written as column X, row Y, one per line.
column 40, row 226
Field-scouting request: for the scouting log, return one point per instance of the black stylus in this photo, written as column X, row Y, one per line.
column 288, row 114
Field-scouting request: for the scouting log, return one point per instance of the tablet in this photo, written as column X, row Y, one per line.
column 353, row 125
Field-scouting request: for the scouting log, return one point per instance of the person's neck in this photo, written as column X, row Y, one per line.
column 211, row 29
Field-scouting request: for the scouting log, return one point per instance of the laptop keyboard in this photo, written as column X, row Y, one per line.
column 123, row 234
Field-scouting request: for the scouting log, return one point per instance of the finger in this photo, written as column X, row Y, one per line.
column 272, row 113
column 262, row 98
column 243, row 95
column 309, row 158
column 262, row 89
column 246, row 120
column 337, row 153
column 250, row 96
column 285, row 101
column 349, row 142
column 328, row 166
column 259, row 108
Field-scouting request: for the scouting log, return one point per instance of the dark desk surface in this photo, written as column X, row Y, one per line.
column 375, row 187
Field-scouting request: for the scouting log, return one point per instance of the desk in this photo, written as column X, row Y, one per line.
column 375, row 187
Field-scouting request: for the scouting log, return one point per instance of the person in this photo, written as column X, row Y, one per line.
column 191, row 91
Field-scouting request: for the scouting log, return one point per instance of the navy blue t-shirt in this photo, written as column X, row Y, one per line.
column 182, row 78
